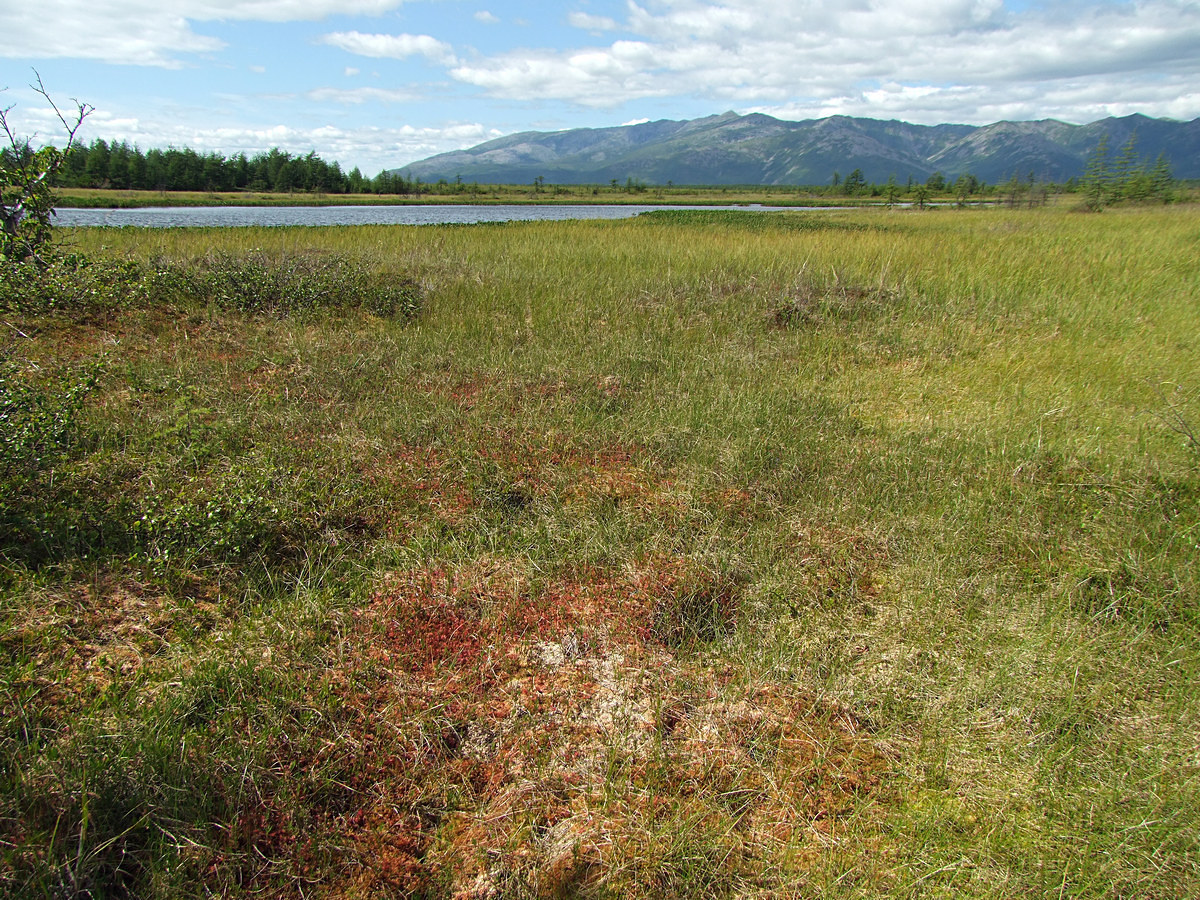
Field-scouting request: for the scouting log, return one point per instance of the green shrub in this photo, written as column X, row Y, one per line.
column 38, row 428
column 288, row 283
column 253, row 283
column 223, row 519
column 70, row 283
column 37, row 420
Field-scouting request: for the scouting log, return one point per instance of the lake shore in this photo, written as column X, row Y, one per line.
column 81, row 198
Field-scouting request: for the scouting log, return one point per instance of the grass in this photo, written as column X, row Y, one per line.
column 741, row 555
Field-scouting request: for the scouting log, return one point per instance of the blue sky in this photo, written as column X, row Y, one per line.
column 381, row 83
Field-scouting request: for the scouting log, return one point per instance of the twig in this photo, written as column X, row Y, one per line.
column 1175, row 420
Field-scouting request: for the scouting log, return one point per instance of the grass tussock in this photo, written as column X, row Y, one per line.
column 693, row 555
column 810, row 305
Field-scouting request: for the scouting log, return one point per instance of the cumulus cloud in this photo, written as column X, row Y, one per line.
column 148, row 32
column 392, row 46
column 594, row 24
column 866, row 55
column 486, row 17
column 600, row 78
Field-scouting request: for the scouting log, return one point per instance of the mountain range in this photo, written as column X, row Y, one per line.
column 733, row 149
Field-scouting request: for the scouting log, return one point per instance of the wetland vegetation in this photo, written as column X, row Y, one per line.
column 702, row 554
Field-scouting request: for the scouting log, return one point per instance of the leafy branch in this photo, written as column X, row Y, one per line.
column 26, row 200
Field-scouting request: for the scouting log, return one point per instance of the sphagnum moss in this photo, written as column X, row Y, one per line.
column 849, row 554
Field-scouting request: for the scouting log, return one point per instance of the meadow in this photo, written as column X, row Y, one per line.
column 701, row 554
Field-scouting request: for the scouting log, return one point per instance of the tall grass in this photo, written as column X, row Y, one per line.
column 690, row 555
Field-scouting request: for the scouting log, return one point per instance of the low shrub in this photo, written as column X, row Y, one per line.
column 252, row 283
column 290, row 283
column 810, row 304
column 71, row 283
column 37, row 421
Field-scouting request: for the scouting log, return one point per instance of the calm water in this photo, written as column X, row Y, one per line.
column 235, row 216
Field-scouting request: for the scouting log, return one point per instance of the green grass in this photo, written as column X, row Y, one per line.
column 838, row 554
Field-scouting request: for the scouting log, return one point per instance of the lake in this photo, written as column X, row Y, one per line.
column 238, row 216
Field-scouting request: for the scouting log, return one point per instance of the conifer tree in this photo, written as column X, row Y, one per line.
column 1095, row 176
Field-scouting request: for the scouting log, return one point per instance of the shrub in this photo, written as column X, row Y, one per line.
column 37, row 420
column 72, row 283
column 254, row 283
column 289, row 283
column 38, row 423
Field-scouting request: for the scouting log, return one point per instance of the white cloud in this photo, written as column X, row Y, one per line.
column 350, row 72
column 360, row 95
column 392, row 46
column 370, row 148
column 594, row 24
column 147, row 32
column 591, row 77
column 486, row 17
column 870, row 56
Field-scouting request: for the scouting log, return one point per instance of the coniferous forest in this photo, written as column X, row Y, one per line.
column 120, row 166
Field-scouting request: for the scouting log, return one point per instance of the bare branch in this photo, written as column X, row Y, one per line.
column 12, row 138
column 27, row 201
column 82, row 111
column 1175, row 419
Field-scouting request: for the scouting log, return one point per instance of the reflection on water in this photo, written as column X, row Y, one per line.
column 235, row 216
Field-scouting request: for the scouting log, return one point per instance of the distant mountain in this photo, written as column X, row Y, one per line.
column 759, row 149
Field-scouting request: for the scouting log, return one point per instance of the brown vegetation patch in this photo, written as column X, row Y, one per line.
column 402, row 475
column 810, row 304
column 567, row 469
column 82, row 637
column 690, row 602
column 837, row 565
column 492, row 736
column 465, row 393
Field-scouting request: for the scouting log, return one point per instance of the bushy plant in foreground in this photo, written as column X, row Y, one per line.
column 26, row 201
column 70, row 283
column 38, row 427
column 254, row 283
column 37, row 422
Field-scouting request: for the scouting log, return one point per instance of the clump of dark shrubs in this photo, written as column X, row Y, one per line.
column 258, row 282
column 71, row 283
column 39, row 413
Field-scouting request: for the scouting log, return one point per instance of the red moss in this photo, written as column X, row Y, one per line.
column 464, row 739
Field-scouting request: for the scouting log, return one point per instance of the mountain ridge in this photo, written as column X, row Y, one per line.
column 728, row 148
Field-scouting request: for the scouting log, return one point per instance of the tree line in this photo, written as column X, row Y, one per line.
column 119, row 166
column 1128, row 177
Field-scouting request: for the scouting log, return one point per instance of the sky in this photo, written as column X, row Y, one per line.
column 377, row 84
